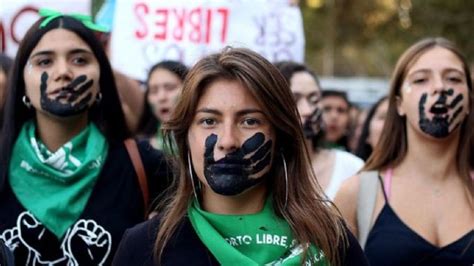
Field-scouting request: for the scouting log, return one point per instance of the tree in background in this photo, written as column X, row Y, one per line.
column 366, row 37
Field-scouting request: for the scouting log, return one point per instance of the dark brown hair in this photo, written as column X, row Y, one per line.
column 310, row 217
column 392, row 146
column 364, row 149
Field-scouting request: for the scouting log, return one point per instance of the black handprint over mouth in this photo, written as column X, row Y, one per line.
column 442, row 122
column 240, row 169
column 71, row 93
column 312, row 125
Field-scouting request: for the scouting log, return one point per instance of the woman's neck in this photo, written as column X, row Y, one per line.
column 433, row 159
column 322, row 161
column 248, row 202
column 55, row 132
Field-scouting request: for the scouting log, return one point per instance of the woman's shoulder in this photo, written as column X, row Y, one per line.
column 146, row 231
column 346, row 201
column 137, row 244
column 183, row 248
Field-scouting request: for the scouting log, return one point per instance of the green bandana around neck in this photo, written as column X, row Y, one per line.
column 252, row 239
column 55, row 186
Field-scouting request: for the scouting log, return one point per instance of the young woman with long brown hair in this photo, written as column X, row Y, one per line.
column 246, row 193
column 424, row 208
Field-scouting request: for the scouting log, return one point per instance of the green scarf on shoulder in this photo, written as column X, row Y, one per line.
column 55, row 186
column 253, row 239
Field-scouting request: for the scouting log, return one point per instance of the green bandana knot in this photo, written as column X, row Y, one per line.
column 51, row 15
column 254, row 239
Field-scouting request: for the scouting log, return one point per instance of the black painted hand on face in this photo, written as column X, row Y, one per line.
column 442, row 122
column 237, row 171
column 75, row 90
column 313, row 124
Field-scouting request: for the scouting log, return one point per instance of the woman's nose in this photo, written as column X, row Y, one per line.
column 438, row 84
column 227, row 140
column 63, row 71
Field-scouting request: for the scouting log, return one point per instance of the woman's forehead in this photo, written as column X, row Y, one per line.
column 436, row 59
column 60, row 40
column 228, row 94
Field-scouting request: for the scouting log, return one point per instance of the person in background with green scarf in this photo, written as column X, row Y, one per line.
column 246, row 193
column 164, row 84
column 68, row 188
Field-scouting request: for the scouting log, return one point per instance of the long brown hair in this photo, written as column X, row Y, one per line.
column 311, row 219
column 392, row 146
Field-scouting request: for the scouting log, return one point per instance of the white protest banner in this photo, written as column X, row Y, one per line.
column 17, row 16
column 146, row 32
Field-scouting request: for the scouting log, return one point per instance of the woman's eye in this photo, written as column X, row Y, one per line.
column 313, row 99
column 152, row 90
column 419, row 81
column 207, row 122
column 170, row 87
column 251, row 122
column 341, row 110
column 381, row 117
column 79, row 61
column 44, row 62
column 455, row 79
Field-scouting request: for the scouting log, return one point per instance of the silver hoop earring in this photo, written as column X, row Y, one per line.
column 191, row 176
column 286, row 179
column 98, row 98
column 26, row 102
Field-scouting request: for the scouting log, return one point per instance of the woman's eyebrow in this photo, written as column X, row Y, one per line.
column 238, row 113
column 73, row 51
column 44, row 52
column 249, row 111
column 209, row 110
column 80, row 51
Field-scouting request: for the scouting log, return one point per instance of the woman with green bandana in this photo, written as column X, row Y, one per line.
column 246, row 193
column 68, row 188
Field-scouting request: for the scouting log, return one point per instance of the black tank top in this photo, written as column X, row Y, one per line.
column 392, row 243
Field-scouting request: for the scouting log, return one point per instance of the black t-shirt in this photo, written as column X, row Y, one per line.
column 185, row 247
column 115, row 204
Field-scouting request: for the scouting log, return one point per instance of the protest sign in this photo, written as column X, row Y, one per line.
column 146, row 32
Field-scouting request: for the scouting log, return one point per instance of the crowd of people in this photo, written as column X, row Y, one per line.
column 232, row 161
